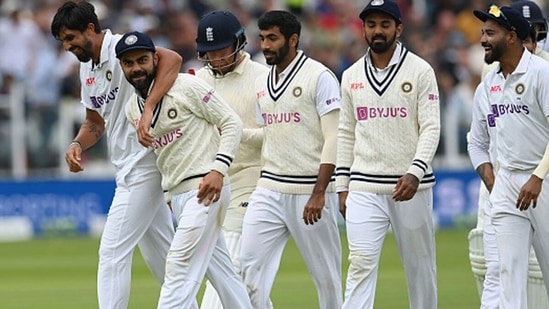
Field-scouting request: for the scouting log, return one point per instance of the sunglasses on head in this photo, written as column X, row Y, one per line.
column 495, row 11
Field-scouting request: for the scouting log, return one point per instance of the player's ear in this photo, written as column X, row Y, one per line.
column 91, row 27
column 399, row 29
column 155, row 58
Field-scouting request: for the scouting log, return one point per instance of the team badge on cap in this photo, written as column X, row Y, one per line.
column 130, row 40
column 377, row 2
column 209, row 34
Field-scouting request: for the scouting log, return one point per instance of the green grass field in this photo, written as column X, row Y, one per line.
column 60, row 273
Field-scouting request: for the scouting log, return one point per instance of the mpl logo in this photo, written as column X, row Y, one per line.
column 90, row 81
column 495, row 89
column 357, row 86
column 260, row 94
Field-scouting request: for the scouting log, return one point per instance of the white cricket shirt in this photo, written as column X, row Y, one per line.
column 519, row 110
column 106, row 90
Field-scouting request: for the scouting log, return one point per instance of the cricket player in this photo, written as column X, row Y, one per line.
column 511, row 104
column 229, row 69
column 388, row 133
column 138, row 215
column 298, row 104
column 490, row 283
column 193, row 172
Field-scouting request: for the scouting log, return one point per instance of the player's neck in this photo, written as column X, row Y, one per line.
column 382, row 60
column 510, row 61
column 98, row 43
column 286, row 62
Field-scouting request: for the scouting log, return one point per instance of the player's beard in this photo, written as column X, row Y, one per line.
column 280, row 55
column 494, row 54
column 383, row 46
column 86, row 54
column 143, row 85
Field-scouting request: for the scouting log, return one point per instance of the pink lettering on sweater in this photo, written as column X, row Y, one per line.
column 167, row 138
column 365, row 113
column 292, row 117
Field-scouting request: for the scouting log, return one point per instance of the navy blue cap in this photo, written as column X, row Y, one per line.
column 217, row 30
column 132, row 41
column 532, row 12
column 385, row 6
column 508, row 18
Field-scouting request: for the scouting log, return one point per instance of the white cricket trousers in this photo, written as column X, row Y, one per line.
column 368, row 218
column 198, row 248
column 515, row 232
column 271, row 218
column 138, row 216
column 232, row 231
column 491, row 286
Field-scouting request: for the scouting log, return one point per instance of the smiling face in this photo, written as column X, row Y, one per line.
column 77, row 42
column 139, row 67
column 381, row 31
column 494, row 40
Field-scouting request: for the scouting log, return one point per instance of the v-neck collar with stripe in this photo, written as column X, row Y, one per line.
column 276, row 89
column 380, row 79
column 156, row 110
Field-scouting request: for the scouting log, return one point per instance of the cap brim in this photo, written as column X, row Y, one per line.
column 134, row 48
column 483, row 16
column 210, row 48
column 365, row 12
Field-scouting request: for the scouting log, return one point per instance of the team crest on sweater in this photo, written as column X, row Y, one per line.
column 172, row 113
column 406, row 87
column 108, row 75
column 297, row 91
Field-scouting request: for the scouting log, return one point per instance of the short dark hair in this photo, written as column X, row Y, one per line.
column 74, row 16
column 287, row 23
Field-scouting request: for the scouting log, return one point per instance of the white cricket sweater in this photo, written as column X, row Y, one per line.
column 291, row 110
column 186, row 126
column 236, row 89
column 389, row 126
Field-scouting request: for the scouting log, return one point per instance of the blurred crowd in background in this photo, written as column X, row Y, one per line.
column 444, row 32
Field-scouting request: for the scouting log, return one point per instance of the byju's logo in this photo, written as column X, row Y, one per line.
column 505, row 109
column 491, row 118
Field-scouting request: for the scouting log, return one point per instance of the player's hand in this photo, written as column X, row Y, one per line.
column 209, row 190
column 313, row 210
column 529, row 193
column 405, row 188
column 144, row 127
column 73, row 157
column 343, row 202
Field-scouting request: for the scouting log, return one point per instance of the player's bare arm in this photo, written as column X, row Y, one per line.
column 90, row 132
column 343, row 202
column 209, row 189
column 313, row 210
column 405, row 188
column 169, row 65
column 486, row 173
